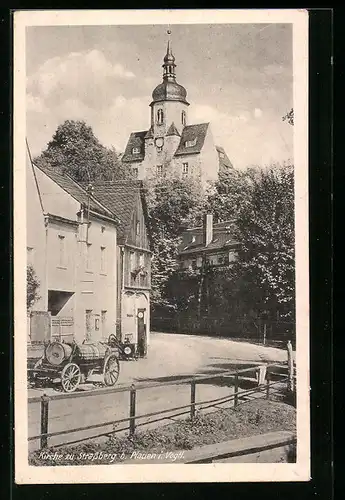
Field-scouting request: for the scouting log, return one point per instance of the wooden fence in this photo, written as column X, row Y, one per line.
column 265, row 376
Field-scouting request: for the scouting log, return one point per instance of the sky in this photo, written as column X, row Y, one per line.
column 238, row 77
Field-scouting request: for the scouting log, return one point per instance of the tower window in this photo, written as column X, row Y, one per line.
column 160, row 117
column 159, row 169
column 183, row 118
column 185, row 168
column 136, row 151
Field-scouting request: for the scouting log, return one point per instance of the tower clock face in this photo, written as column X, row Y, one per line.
column 159, row 142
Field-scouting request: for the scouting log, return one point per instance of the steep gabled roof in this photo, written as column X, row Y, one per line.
column 172, row 130
column 73, row 188
column 191, row 133
column 222, row 239
column 224, row 161
column 120, row 198
column 136, row 140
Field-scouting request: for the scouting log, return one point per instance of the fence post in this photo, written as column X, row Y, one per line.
column 267, row 385
column 290, row 366
column 132, row 400
column 192, row 399
column 44, row 420
column 236, row 390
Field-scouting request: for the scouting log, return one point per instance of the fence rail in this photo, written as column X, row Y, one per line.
column 267, row 387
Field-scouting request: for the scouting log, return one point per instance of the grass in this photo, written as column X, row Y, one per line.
column 251, row 418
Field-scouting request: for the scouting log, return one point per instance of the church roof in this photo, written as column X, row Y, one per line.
column 224, row 161
column 120, row 198
column 149, row 134
column 172, row 130
column 195, row 134
column 169, row 91
column 136, row 140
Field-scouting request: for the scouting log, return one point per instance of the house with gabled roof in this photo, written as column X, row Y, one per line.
column 126, row 201
column 171, row 146
column 78, row 253
column 211, row 244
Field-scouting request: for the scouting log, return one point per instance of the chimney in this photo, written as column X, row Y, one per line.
column 208, row 229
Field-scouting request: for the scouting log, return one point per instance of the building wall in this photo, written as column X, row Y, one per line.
column 96, row 287
column 55, row 200
column 81, row 263
column 209, row 160
column 36, row 236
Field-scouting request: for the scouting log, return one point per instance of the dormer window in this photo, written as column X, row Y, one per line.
column 183, row 118
column 190, row 144
column 160, row 117
column 136, row 151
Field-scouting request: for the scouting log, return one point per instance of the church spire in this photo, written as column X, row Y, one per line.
column 169, row 63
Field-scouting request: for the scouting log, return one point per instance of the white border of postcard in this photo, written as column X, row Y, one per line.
column 300, row 471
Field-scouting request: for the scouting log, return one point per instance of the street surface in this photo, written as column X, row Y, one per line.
column 170, row 357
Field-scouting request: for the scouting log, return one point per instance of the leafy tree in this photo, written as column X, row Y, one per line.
column 265, row 228
column 32, row 284
column 75, row 149
column 172, row 204
column 289, row 117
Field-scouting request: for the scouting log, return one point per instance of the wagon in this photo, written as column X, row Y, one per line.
column 74, row 363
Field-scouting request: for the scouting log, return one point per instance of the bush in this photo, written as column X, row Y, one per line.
column 33, row 285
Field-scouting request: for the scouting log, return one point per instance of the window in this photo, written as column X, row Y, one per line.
column 159, row 169
column 190, row 144
column 221, row 259
column 136, row 151
column 132, row 266
column 88, row 256
column 160, row 117
column 185, row 168
column 183, row 118
column 102, row 229
column 62, row 252
column 135, row 172
column 159, row 149
column 141, row 260
column 137, row 228
column 194, row 266
column 103, row 260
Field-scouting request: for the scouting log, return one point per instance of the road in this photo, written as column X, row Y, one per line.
column 170, row 357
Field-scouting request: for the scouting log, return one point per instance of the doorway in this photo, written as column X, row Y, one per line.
column 141, row 328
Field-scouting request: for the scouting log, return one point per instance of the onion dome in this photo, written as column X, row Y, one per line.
column 169, row 89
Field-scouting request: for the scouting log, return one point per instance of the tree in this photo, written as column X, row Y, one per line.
column 32, row 287
column 75, row 150
column 229, row 193
column 172, row 204
column 289, row 117
column 265, row 228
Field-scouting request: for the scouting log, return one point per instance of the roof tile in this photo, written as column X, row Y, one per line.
column 191, row 133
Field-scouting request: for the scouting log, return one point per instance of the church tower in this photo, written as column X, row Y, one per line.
column 171, row 146
column 169, row 104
